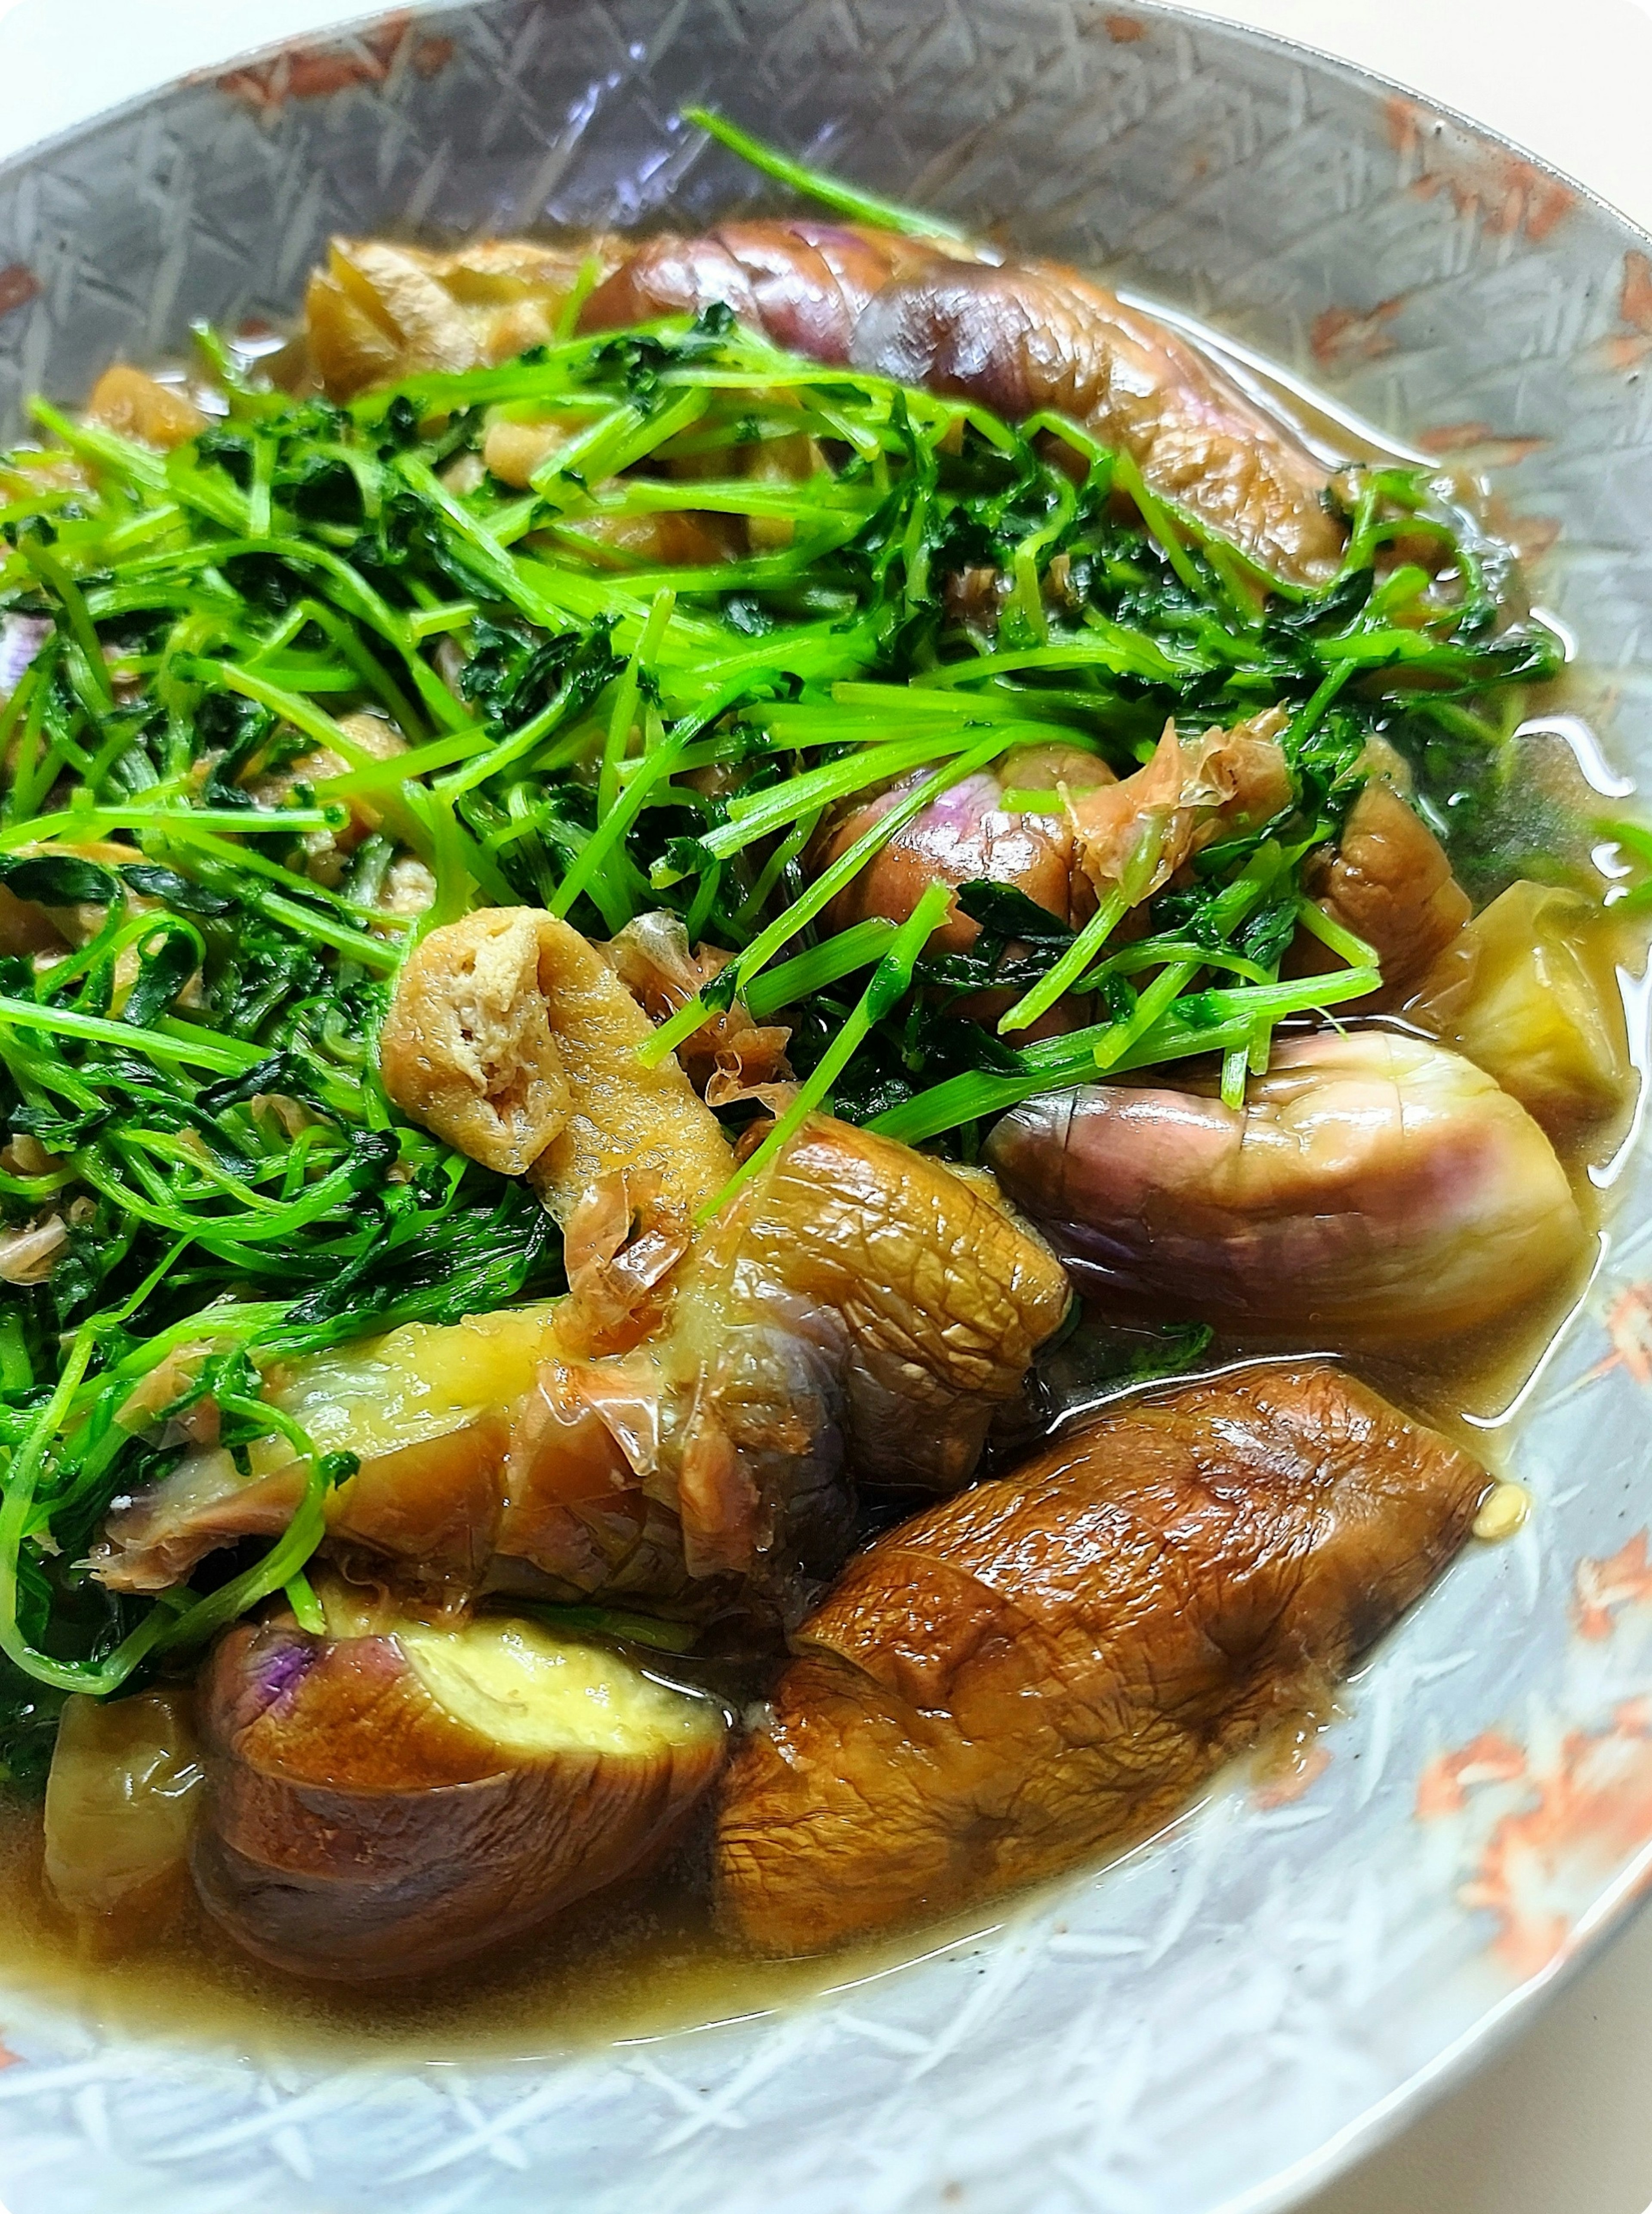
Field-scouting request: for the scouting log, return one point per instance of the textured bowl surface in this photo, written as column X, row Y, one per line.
column 1210, row 2023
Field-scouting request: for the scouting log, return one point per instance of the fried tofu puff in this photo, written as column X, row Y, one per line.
column 690, row 1424
column 379, row 310
column 489, row 1015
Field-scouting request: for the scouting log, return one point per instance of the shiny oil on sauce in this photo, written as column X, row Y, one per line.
column 644, row 1958
column 641, row 1960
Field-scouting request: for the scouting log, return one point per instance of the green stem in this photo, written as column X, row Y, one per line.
column 1065, row 1063
column 815, row 184
column 1073, row 963
column 891, row 980
column 191, row 1047
column 792, row 981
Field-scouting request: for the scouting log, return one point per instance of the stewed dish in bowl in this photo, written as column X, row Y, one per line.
column 796, row 1036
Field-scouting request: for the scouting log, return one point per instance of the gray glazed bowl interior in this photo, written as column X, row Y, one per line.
column 1220, row 2017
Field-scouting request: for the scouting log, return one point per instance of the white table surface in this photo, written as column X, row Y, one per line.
column 1561, row 2123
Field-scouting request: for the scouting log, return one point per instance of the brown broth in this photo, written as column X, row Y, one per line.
column 645, row 1958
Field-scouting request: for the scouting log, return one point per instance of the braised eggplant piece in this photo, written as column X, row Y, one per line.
column 1389, row 881
column 857, row 1307
column 391, row 1797
column 1528, row 991
column 1050, row 1663
column 1034, row 336
column 424, row 1410
column 1087, row 835
column 859, row 1315
column 1372, row 1185
column 1023, row 339
column 804, row 284
column 968, row 836
column 121, row 1801
column 701, row 1406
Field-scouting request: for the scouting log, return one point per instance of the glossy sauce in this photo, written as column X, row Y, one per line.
column 644, row 1959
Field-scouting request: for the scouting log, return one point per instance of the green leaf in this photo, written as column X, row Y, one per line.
column 59, row 880
column 1005, row 911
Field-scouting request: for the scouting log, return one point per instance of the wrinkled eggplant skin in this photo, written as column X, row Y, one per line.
column 1050, row 1662
column 804, row 283
column 1031, row 336
column 355, row 1831
column 378, row 1907
column 860, row 1315
column 1374, row 1187
column 944, row 1294
column 966, row 836
column 1020, row 339
column 1389, row 881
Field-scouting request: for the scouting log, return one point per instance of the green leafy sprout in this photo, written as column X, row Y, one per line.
column 194, row 788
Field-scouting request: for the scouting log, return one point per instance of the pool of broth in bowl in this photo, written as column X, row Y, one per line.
column 641, row 1960
column 644, row 1958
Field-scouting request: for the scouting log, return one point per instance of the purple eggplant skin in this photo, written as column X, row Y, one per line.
column 1374, row 1187
column 1023, row 337
column 804, row 283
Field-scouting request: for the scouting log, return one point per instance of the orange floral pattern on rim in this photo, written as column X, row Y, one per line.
column 1448, row 1780
column 1629, row 1326
column 312, row 72
column 1544, row 1830
column 1494, row 186
column 1593, row 1811
column 1625, row 1579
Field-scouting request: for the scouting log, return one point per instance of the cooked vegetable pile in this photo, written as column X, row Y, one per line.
column 541, row 788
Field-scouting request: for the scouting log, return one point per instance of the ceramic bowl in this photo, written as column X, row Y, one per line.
column 1220, row 2018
